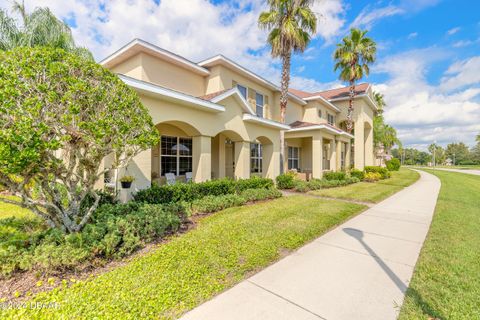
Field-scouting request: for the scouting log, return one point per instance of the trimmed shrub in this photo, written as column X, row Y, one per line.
column 188, row 192
column 260, row 194
column 384, row 173
column 115, row 231
column 253, row 183
column 216, row 203
column 393, row 164
column 286, row 180
column 372, row 176
column 315, row 184
column 332, row 175
column 355, row 173
column 301, row 186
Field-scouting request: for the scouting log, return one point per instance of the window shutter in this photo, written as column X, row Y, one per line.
column 251, row 98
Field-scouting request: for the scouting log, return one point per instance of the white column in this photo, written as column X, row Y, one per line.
column 369, row 147
column 317, row 157
column 340, row 146
column 202, row 158
column 333, row 155
column 242, row 160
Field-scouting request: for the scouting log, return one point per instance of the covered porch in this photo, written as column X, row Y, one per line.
column 313, row 150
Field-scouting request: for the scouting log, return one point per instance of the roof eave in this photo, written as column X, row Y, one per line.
column 171, row 57
column 265, row 122
column 171, row 95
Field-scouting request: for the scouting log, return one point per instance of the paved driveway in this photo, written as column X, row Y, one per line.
column 360, row 270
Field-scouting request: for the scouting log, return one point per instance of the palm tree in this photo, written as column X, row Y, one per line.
column 478, row 138
column 353, row 57
column 39, row 28
column 379, row 101
column 291, row 24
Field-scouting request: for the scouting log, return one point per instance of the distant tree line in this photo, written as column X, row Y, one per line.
column 455, row 153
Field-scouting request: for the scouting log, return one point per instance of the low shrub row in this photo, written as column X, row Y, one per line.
column 188, row 192
column 115, row 231
column 334, row 175
column 315, row 184
column 383, row 172
column 286, row 180
column 216, row 203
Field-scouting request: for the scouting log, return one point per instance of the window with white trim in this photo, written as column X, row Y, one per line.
column 256, row 156
column 243, row 90
column 176, row 155
column 294, row 158
column 331, row 119
column 259, row 103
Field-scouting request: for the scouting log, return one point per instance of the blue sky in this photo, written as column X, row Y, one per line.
column 428, row 64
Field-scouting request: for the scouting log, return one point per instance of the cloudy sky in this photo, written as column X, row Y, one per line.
column 428, row 64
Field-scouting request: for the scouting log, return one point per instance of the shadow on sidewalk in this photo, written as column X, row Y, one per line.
column 409, row 292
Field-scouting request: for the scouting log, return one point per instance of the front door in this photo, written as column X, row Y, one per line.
column 229, row 159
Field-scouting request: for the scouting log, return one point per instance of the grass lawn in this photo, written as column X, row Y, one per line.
column 446, row 281
column 372, row 192
column 224, row 249
column 8, row 210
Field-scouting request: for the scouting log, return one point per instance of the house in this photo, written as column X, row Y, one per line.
column 218, row 119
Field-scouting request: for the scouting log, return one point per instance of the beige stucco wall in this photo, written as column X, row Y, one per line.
column 177, row 119
column 131, row 67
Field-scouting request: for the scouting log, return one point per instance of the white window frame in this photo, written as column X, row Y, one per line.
column 291, row 157
column 332, row 118
column 257, row 157
column 246, row 90
column 178, row 156
column 259, row 107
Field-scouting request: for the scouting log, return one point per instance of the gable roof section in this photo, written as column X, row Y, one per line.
column 137, row 45
column 171, row 95
column 305, row 126
column 222, row 60
column 218, row 96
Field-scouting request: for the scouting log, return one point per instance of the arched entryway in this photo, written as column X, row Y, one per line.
column 224, row 157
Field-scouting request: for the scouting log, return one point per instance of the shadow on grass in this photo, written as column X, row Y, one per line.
column 409, row 292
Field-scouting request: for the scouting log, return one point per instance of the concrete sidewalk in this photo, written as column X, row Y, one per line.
column 360, row 270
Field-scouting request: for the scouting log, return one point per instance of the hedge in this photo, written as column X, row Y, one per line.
column 188, row 192
column 286, row 180
column 315, row 184
column 359, row 174
column 334, row 175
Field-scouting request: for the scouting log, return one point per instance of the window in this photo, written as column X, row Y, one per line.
column 293, row 158
column 256, row 158
column 176, row 155
column 331, row 119
column 243, row 90
column 319, row 113
column 259, row 104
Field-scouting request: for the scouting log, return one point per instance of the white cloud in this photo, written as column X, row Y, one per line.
column 453, row 31
column 421, row 112
column 412, row 35
column 368, row 16
column 196, row 29
column 461, row 74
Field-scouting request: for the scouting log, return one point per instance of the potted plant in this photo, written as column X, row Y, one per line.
column 126, row 181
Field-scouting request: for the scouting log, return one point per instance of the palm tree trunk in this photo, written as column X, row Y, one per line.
column 286, row 59
column 350, row 107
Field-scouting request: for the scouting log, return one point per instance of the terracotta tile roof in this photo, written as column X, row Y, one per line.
column 333, row 93
column 343, row 92
column 299, row 93
column 212, row 95
column 301, row 124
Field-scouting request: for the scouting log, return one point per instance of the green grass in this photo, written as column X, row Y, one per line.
column 8, row 210
column 372, row 192
column 446, row 281
column 225, row 248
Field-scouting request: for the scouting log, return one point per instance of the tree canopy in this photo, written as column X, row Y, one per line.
column 352, row 57
column 60, row 116
column 38, row 28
